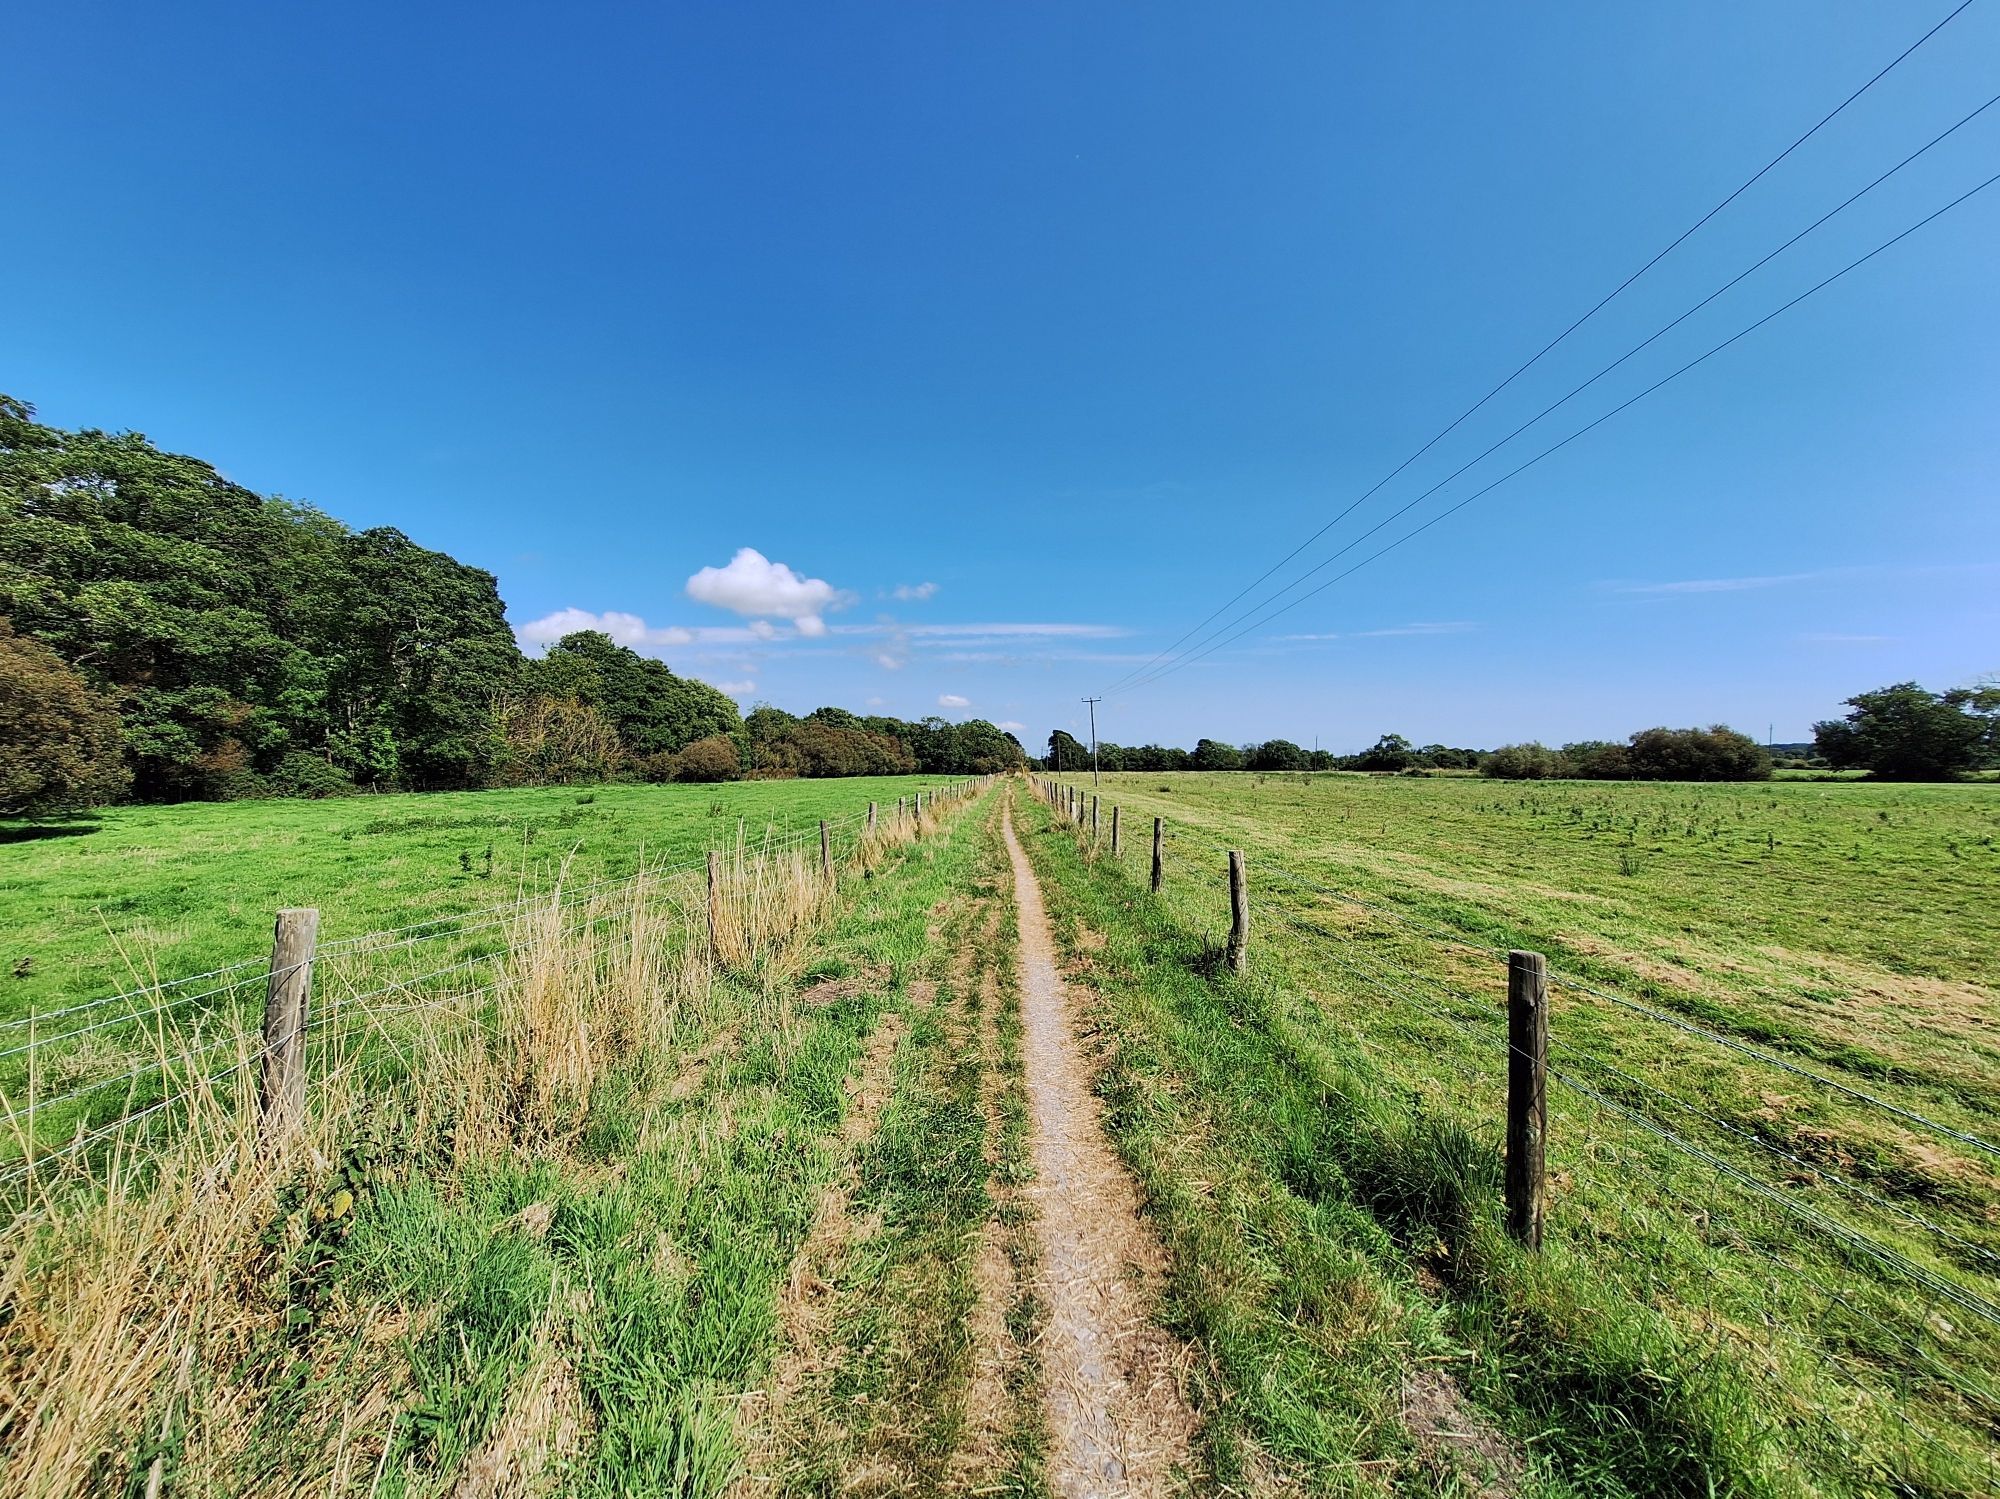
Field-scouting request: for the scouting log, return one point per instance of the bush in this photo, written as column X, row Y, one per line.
column 300, row 774
column 1717, row 753
column 710, row 759
column 1598, row 760
column 1522, row 762
column 62, row 740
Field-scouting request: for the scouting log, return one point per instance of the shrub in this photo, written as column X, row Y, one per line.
column 1717, row 753
column 300, row 774
column 1522, row 762
column 710, row 759
column 63, row 740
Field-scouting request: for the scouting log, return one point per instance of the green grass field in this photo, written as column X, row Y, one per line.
column 1842, row 930
column 592, row 1221
column 133, row 895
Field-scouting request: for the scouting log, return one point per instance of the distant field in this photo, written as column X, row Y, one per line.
column 136, row 894
column 1716, row 951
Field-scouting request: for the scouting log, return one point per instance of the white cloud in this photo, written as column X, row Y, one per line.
column 1011, row 727
column 878, row 702
column 953, row 700
column 888, row 662
column 752, row 584
column 763, row 629
column 734, row 689
column 913, row 593
column 626, row 629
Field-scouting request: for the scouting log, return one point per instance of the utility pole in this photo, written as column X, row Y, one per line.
column 1093, row 701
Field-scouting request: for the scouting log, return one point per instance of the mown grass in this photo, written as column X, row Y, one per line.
column 129, row 895
column 540, row 1251
column 1679, row 1333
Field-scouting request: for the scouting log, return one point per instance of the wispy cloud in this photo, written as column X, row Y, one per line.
column 1011, row 726
column 734, row 689
column 953, row 700
column 1724, row 585
column 1419, row 627
column 913, row 593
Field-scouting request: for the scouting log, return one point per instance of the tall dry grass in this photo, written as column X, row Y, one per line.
column 142, row 1286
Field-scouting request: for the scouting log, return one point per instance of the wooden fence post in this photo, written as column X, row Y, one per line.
column 1159, row 870
column 282, row 1101
column 714, row 879
column 1527, row 1093
column 1239, row 914
column 1114, row 831
column 1093, row 819
column 871, row 817
column 825, row 851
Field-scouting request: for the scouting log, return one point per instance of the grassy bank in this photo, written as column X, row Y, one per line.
column 536, row 1241
column 1681, row 1330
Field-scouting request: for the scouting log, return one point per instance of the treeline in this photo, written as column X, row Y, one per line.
column 168, row 635
column 1390, row 753
column 1712, row 754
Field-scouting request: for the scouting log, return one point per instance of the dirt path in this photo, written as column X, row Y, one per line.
column 1118, row 1423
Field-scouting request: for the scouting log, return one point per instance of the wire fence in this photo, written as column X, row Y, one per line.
column 117, row 1067
column 1861, row 1204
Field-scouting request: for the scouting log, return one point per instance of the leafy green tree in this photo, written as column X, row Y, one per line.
column 711, row 759
column 1213, row 754
column 1277, row 754
column 1906, row 733
column 1598, row 760
column 1066, row 753
column 1391, row 752
column 60, row 743
column 1717, row 753
column 1523, row 762
column 655, row 711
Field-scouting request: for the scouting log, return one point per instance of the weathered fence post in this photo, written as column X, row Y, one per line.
column 282, row 1100
column 1114, row 831
column 1239, row 914
column 1159, row 837
column 871, row 817
column 1527, row 1093
column 825, row 851
column 714, row 879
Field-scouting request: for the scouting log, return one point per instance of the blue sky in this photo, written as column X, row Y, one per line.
column 1010, row 340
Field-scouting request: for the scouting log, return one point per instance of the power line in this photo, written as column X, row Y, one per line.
column 1636, row 349
column 1703, row 358
column 1547, row 348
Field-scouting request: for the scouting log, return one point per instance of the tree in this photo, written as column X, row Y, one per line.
column 1065, row 753
column 654, row 711
column 1392, row 752
column 555, row 741
column 1522, row 762
column 1905, row 733
column 1276, row 754
column 60, row 743
column 1717, row 753
column 710, row 759
column 1598, row 760
column 1213, row 754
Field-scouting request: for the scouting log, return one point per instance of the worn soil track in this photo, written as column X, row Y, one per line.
column 1118, row 1421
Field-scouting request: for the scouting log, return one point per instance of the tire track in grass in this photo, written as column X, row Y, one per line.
column 1119, row 1423
column 805, row 1306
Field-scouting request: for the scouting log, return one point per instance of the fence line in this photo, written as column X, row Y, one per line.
column 349, row 1014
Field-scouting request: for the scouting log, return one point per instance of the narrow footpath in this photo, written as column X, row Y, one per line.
column 1118, row 1422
